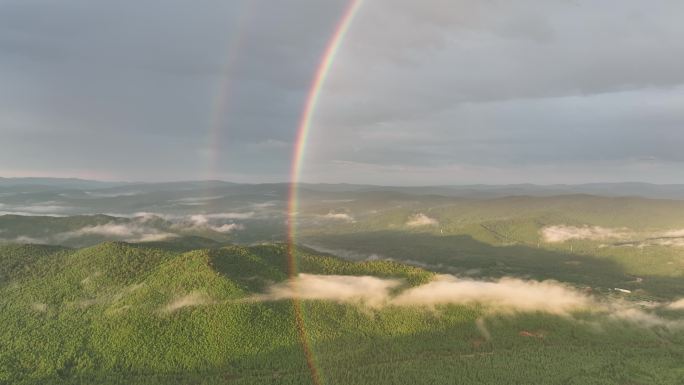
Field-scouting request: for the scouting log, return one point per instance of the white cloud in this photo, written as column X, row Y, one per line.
column 145, row 216
column 30, row 214
column 50, row 208
column 240, row 215
column 228, row 228
column 676, row 233
column 109, row 229
column 369, row 290
column 339, row 216
column 207, row 221
column 193, row 299
column 25, row 239
column 140, row 229
column 677, row 305
column 203, row 219
column 152, row 237
column 199, row 220
column 43, row 208
column 504, row 294
column 98, row 194
column 196, row 201
column 130, row 232
column 563, row 233
column 420, row 220
column 264, row 205
column 641, row 318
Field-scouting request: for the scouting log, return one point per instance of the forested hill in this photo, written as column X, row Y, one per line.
column 119, row 313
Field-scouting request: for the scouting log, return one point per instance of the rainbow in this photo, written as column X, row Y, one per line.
column 221, row 100
column 302, row 136
column 304, row 126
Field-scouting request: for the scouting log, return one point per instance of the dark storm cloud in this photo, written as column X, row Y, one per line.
column 420, row 92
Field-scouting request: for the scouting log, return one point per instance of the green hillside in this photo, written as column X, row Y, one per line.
column 120, row 313
column 504, row 237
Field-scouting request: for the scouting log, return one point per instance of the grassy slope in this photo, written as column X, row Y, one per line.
column 101, row 315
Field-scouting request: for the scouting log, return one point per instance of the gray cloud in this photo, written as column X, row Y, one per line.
column 501, row 92
column 420, row 92
column 88, row 81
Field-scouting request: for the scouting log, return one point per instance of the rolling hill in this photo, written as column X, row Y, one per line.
column 119, row 313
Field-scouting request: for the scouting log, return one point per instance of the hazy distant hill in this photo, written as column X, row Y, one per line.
column 53, row 183
column 646, row 190
column 629, row 242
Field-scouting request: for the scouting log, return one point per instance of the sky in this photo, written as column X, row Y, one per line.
column 419, row 92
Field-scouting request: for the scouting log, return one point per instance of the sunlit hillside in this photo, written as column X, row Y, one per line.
column 125, row 313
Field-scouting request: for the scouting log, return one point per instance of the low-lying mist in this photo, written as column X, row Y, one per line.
column 509, row 294
column 421, row 220
column 505, row 295
column 625, row 236
column 563, row 233
column 142, row 227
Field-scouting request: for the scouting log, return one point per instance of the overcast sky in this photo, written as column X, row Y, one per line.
column 420, row 92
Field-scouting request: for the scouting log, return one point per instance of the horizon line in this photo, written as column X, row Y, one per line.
column 285, row 182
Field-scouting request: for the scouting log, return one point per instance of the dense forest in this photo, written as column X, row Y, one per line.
column 120, row 313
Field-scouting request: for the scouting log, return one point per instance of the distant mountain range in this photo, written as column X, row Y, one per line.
column 484, row 191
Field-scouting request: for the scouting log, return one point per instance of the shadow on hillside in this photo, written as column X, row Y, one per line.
column 245, row 267
column 464, row 255
column 524, row 348
column 456, row 348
